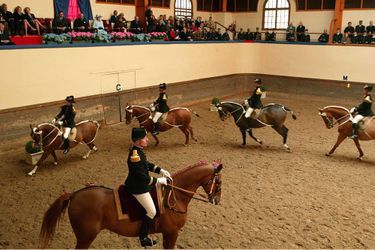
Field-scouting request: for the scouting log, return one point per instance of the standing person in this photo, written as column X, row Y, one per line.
column 113, row 18
column 362, row 111
column 149, row 20
column 161, row 107
column 66, row 119
column 254, row 101
column 139, row 183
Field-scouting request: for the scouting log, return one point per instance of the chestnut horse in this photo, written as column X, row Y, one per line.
column 92, row 209
column 176, row 118
column 49, row 138
column 272, row 115
column 342, row 116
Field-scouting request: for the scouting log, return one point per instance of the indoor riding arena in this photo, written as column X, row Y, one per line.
column 284, row 188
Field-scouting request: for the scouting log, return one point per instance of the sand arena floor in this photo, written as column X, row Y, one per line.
column 270, row 198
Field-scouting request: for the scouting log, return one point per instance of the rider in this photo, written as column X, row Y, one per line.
column 66, row 119
column 139, row 183
column 254, row 101
column 363, row 110
column 161, row 107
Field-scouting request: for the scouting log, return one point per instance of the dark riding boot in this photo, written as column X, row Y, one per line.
column 143, row 234
column 355, row 130
column 155, row 129
column 66, row 146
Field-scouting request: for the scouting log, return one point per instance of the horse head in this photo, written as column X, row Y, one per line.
column 330, row 113
column 212, row 187
column 36, row 134
column 128, row 114
column 223, row 111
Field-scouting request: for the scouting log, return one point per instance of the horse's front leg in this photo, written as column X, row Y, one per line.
column 169, row 240
column 252, row 136
column 156, row 139
column 340, row 138
column 243, row 132
column 54, row 157
column 44, row 156
column 356, row 141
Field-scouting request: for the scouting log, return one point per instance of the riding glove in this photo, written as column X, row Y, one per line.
column 165, row 173
column 162, row 181
column 53, row 121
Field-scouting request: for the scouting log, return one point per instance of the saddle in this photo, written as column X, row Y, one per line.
column 256, row 113
column 72, row 135
column 362, row 125
column 128, row 208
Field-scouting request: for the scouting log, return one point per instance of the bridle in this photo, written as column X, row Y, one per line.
column 130, row 110
column 232, row 112
column 208, row 198
column 338, row 121
column 41, row 139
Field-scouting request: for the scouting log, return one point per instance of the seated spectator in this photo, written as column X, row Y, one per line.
column 225, row 36
column 7, row 17
column 349, row 33
column 31, row 22
column 113, row 19
column 257, row 35
column 18, row 21
column 171, row 35
column 360, row 29
column 306, row 36
column 178, row 26
column 323, row 38
column 249, row 35
column 300, row 32
column 337, row 37
column 81, row 24
column 160, row 26
column 370, row 28
column 185, row 35
column 198, row 22
column 120, row 24
column 240, row 35
column 4, row 36
column 60, row 24
column 210, row 23
column 98, row 23
column 369, row 38
column 270, row 36
column 135, row 26
column 198, row 35
column 290, row 33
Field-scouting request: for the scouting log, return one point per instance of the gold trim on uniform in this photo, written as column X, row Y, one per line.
column 135, row 157
column 165, row 97
column 368, row 99
column 259, row 91
column 151, row 180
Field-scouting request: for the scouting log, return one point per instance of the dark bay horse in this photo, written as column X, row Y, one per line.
column 176, row 118
column 342, row 117
column 92, row 209
column 272, row 115
column 49, row 138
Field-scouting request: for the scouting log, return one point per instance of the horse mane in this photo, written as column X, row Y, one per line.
column 338, row 107
column 46, row 124
column 235, row 103
column 142, row 107
column 198, row 164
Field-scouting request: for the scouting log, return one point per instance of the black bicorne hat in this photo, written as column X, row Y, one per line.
column 258, row 80
column 368, row 88
column 70, row 99
column 162, row 85
column 138, row 133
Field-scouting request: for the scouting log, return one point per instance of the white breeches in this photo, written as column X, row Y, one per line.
column 157, row 115
column 146, row 201
column 248, row 113
column 67, row 132
column 357, row 118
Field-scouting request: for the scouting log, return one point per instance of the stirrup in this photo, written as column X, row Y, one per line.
column 66, row 151
column 147, row 242
column 353, row 136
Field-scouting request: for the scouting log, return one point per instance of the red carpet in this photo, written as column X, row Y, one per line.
column 27, row 40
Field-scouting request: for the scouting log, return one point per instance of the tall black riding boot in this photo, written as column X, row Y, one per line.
column 143, row 234
column 355, row 130
column 66, row 146
column 155, row 129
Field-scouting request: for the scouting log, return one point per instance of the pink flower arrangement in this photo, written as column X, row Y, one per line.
column 122, row 35
column 81, row 36
column 158, row 35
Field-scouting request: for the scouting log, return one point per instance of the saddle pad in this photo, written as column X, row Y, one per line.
column 365, row 122
column 72, row 135
column 129, row 208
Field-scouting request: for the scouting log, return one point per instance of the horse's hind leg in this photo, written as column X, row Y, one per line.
column 252, row 136
column 356, row 141
column 84, row 239
column 340, row 138
column 92, row 147
column 191, row 133
column 283, row 131
column 186, row 132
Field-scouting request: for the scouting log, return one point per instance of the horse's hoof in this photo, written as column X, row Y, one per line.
column 359, row 158
column 30, row 173
column 327, row 154
column 55, row 163
column 242, row 145
column 84, row 157
column 260, row 142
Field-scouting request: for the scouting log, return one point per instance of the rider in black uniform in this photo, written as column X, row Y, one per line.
column 160, row 106
column 254, row 101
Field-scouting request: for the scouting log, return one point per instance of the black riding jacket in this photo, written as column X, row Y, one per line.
column 68, row 113
column 365, row 107
column 161, row 103
column 254, row 100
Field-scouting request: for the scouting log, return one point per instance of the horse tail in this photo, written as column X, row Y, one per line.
column 291, row 112
column 52, row 218
column 195, row 113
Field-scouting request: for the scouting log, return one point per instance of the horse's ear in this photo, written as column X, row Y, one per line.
column 218, row 168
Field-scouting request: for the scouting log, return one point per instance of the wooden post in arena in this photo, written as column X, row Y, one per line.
column 224, row 5
column 336, row 22
column 140, row 8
